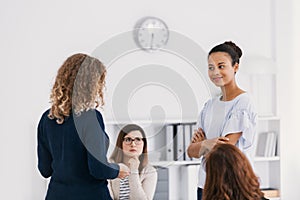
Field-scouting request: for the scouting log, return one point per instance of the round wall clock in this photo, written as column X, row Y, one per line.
column 151, row 33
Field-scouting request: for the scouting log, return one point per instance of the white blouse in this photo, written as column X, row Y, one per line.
column 220, row 118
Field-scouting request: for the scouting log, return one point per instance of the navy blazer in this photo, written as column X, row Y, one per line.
column 73, row 154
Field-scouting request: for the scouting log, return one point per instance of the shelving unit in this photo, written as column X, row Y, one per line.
column 268, row 167
column 263, row 87
column 183, row 175
column 258, row 76
column 174, row 176
column 178, row 178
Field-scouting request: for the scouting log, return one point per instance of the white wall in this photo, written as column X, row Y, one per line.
column 288, row 48
column 37, row 36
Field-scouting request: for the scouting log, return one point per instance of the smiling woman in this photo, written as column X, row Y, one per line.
column 229, row 118
column 131, row 150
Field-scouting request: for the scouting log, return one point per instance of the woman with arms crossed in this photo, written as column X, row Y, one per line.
column 229, row 118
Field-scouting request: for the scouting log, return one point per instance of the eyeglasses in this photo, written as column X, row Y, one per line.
column 129, row 140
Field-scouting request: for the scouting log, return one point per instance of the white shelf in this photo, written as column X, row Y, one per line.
column 175, row 163
column 174, row 121
column 274, row 198
column 266, row 118
column 169, row 121
column 266, row 159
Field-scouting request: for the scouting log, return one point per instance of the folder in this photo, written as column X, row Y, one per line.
column 187, row 139
column 179, row 142
column 170, row 142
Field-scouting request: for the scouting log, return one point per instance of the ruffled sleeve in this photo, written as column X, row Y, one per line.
column 201, row 118
column 241, row 120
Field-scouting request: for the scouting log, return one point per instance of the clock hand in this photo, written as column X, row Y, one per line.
column 152, row 38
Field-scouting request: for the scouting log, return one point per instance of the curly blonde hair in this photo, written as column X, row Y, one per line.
column 78, row 87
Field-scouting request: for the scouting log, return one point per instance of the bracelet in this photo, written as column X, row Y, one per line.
column 135, row 171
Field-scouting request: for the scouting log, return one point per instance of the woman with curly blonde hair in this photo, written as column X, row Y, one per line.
column 229, row 175
column 79, row 84
column 72, row 143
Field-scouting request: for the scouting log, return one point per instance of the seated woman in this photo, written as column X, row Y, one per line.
column 230, row 175
column 131, row 149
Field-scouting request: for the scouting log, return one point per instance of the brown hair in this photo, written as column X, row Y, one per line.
column 78, row 86
column 229, row 175
column 117, row 155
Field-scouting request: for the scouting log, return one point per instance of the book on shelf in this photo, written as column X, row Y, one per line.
column 266, row 144
column 270, row 192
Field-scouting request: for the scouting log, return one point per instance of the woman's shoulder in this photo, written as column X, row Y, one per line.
column 44, row 115
column 210, row 102
column 148, row 172
column 244, row 100
column 149, row 169
column 46, row 112
column 90, row 114
column 244, row 96
column 244, row 106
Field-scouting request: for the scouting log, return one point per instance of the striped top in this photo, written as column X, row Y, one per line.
column 124, row 189
column 141, row 185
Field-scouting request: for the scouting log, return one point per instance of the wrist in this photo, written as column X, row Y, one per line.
column 134, row 171
column 203, row 149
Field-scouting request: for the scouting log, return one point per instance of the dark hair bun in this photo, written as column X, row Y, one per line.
column 234, row 47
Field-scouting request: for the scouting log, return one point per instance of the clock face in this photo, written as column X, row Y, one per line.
column 151, row 33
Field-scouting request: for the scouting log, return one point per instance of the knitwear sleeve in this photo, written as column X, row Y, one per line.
column 143, row 186
column 44, row 156
column 90, row 128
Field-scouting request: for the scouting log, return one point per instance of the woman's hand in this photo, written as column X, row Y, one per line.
column 134, row 164
column 124, row 171
column 200, row 145
column 207, row 145
column 198, row 135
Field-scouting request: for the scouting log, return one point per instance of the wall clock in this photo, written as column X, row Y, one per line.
column 151, row 33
